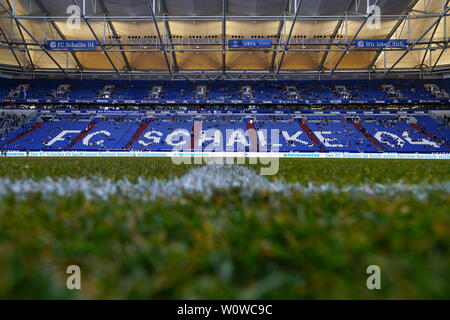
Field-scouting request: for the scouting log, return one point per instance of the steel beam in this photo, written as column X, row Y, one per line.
column 432, row 37
column 353, row 39
column 293, row 46
column 297, row 10
column 111, row 25
column 61, row 35
column 393, row 31
column 200, row 44
column 169, row 33
column 75, row 2
column 163, row 47
column 21, row 34
column 168, row 47
column 238, row 18
column 278, row 37
column 415, row 43
column 335, row 32
column 439, row 57
column 438, row 47
column 32, row 37
column 231, row 74
column 11, row 49
column 224, row 35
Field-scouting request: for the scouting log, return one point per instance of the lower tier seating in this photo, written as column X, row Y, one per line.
column 101, row 133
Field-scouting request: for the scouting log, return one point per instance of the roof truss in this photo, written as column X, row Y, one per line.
column 394, row 30
column 105, row 52
column 353, row 39
column 111, row 26
column 20, row 24
column 420, row 38
column 61, row 35
column 163, row 47
column 286, row 45
column 168, row 47
column 20, row 32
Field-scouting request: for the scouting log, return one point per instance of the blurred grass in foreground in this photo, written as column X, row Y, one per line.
column 267, row 247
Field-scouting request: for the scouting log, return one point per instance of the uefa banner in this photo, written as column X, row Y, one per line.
column 250, row 43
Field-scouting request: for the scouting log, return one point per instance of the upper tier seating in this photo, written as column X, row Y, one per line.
column 355, row 90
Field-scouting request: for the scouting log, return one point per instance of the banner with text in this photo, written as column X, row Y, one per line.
column 250, row 43
column 71, row 44
column 381, row 44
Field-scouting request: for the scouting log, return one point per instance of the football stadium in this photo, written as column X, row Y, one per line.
column 220, row 149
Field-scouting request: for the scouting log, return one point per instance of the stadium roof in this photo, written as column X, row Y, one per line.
column 163, row 36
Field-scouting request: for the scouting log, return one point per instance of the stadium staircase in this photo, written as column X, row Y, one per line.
column 425, row 132
column 34, row 127
column 138, row 133
column 311, row 136
column 90, row 127
column 253, row 137
column 366, row 134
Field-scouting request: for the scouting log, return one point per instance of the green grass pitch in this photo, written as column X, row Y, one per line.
column 268, row 246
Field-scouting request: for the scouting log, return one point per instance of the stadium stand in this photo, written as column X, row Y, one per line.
column 288, row 132
column 261, row 92
column 217, row 126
